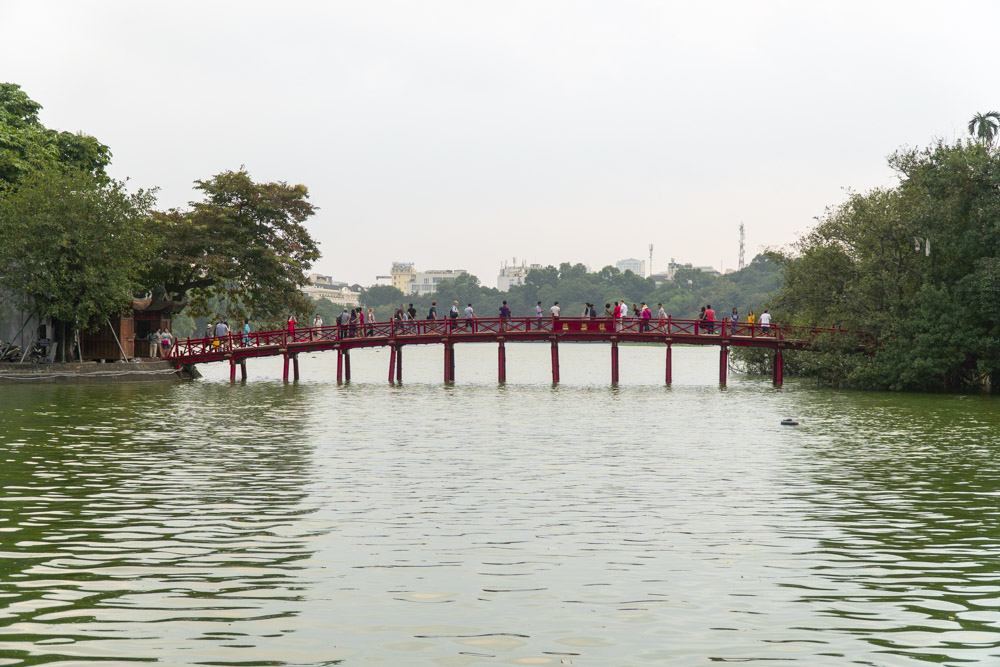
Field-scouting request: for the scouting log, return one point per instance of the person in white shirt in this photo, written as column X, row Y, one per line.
column 662, row 314
column 554, row 309
column 318, row 320
column 765, row 322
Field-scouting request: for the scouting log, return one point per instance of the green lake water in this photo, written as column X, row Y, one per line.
column 205, row 523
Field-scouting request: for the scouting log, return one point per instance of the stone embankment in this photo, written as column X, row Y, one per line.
column 88, row 372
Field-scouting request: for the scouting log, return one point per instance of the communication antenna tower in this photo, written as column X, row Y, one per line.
column 650, row 259
column 742, row 239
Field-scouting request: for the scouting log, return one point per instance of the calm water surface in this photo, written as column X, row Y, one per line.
column 311, row 524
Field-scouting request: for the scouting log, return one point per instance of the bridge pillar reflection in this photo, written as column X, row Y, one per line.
column 723, row 363
column 778, row 368
column 501, row 362
column 670, row 369
column 555, row 361
column 614, row 361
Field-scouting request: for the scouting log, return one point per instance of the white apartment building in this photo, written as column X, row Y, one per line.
column 425, row 282
column 636, row 266
column 325, row 287
column 513, row 274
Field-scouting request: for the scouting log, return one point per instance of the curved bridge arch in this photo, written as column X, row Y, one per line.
column 237, row 347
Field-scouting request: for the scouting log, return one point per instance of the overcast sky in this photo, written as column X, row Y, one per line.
column 459, row 134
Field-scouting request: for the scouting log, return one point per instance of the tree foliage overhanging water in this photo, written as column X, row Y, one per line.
column 916, row 264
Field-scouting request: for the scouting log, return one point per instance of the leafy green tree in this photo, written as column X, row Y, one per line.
column 73, row 245
column 26, row 145
column 916, row 265
column 984, row 126
column 245, row 241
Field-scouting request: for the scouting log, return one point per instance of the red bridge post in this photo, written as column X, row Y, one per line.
column 295, row 366
column 392, row 363
column 614, row 361
column 399, row 363
column 243, row 369
column 340, row 365
column 555, row 361
column 723, row 362
column 449, row 362
column 501, row 362
column 779, row 370
column 670, row 370
column 347, row 365
column 284, row 373
column 232, row 370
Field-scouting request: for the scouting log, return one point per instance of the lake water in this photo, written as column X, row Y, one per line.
column 313, row 524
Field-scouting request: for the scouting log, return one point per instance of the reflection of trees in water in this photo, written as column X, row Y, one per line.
column 911, row 530
column 127, row 506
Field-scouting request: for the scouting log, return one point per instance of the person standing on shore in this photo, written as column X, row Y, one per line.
column 154, row 343
column 166, row 342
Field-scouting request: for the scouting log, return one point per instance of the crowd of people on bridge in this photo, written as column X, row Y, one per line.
column 356, row 323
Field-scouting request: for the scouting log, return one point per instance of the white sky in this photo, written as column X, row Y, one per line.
column 458, row 134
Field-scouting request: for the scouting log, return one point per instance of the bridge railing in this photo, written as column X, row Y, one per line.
column 677, row 328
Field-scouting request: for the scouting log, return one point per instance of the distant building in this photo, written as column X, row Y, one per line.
column 709, row 270
column 402, row 275
column 425, row 282
column 513, row 274
column 383, row 280
column 325, row 287
column 636, row 266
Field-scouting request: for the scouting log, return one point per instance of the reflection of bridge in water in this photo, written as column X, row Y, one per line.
column 237, row 348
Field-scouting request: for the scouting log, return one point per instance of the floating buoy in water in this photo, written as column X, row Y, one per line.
column 789, row 422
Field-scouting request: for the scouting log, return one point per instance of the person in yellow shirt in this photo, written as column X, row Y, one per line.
column 750, row 319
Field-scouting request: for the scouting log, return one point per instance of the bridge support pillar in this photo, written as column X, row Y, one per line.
column 232, row 371
column 723, row 364
column 614, row 362
column 555, row 361
column 399, row 363
column 449, row 362
column 779, row 368
column 284, row 372
column 340, row 365
column 347, row 365
column 295, row 367
column 392, row 363
column 501, row 363
column 670, row 365
column 243, row 369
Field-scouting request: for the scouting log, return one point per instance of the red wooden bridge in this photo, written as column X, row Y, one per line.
column 236, row 348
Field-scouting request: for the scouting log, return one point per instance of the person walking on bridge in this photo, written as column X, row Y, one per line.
column 432, row 314
column 470, row 318
column 504, row 316
column 709, row 319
